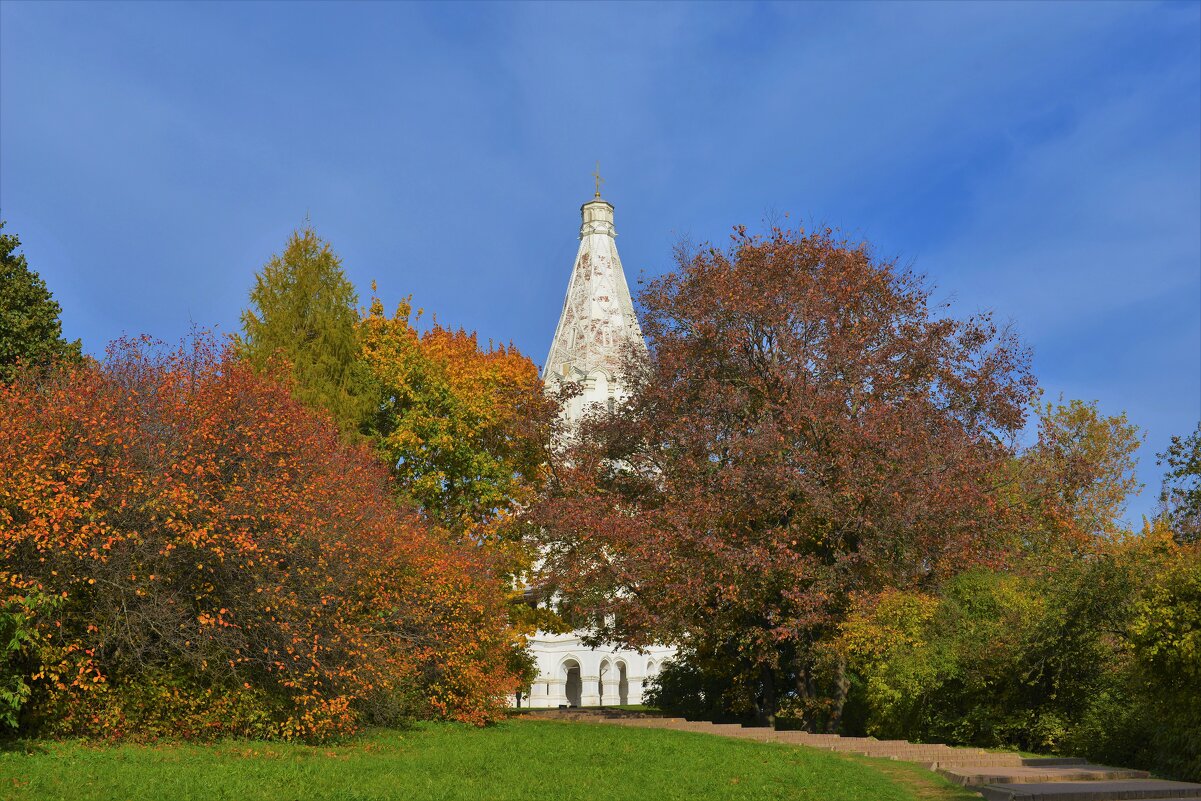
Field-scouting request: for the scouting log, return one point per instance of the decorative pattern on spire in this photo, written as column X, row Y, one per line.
column 598, row 317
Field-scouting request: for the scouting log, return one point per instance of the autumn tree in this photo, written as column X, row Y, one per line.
column 463, row 428
column 30, row 329
column 1083, row 464
column 224, row 562
column 808, row 426
column 1180, row 497
column 303, row 312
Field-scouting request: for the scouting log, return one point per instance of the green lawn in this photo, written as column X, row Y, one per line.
column 522, row 759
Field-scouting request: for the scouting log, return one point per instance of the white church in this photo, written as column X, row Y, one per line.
column 597, row 324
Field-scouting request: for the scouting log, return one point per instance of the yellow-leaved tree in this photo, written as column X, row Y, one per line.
column 465, row 431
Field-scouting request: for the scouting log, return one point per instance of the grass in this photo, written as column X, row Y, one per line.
column 922, row 783
column 520, row 759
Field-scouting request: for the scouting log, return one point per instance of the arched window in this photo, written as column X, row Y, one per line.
column 573, row 685
column 600, row 682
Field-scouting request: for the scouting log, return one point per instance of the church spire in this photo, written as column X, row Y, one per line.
column 598, row 320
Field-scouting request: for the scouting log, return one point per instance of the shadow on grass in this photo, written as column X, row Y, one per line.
column 20, row 745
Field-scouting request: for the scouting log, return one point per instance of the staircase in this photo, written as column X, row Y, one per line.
column 996, row 776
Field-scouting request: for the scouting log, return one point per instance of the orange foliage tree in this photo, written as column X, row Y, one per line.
column 221, row 561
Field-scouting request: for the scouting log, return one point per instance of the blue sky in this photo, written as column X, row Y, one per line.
column 1039, row 160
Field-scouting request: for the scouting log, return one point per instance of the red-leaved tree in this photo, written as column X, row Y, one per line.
column 807, row 428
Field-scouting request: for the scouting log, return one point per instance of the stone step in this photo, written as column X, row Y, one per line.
column 984, row 761
column 1039, row 774
column 930, row 754
column 898, row 746
column 998, row 776
column 837, row 742
column 649, row 723
column 973, row 758
column 807, row 735
column 1145, row 789
column 751, row 734
column 872, row 750
column 822, row 740
column 710, row 728
column 727, row 730
column 926, row 756
column 994, row 759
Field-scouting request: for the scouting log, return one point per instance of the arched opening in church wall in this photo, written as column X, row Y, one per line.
column 623, row 684
column 600, row 682
column 573, row 685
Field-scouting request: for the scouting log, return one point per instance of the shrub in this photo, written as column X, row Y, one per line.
column 226, row 563
column 704, row 685
column 18, row 637
column 1165, row 636
column 1097, row 657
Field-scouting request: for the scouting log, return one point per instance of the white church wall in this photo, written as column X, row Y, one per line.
column 599, row 672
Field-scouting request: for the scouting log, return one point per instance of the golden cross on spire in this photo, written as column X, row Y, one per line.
column 598, row 178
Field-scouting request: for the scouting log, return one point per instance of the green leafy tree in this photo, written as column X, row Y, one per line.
column 1181, row 494
column 303, row 313
column 30, row 329
column 997, row 659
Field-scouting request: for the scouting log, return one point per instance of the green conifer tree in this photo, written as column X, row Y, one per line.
column 303, row 310
column 30, row 329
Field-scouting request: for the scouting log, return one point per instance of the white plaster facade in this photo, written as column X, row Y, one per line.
column 595, row 327
column 571, row 674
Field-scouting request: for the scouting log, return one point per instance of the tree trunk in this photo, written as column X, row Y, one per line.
column 805, row 692
column 767, row 710
column 842, row 685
